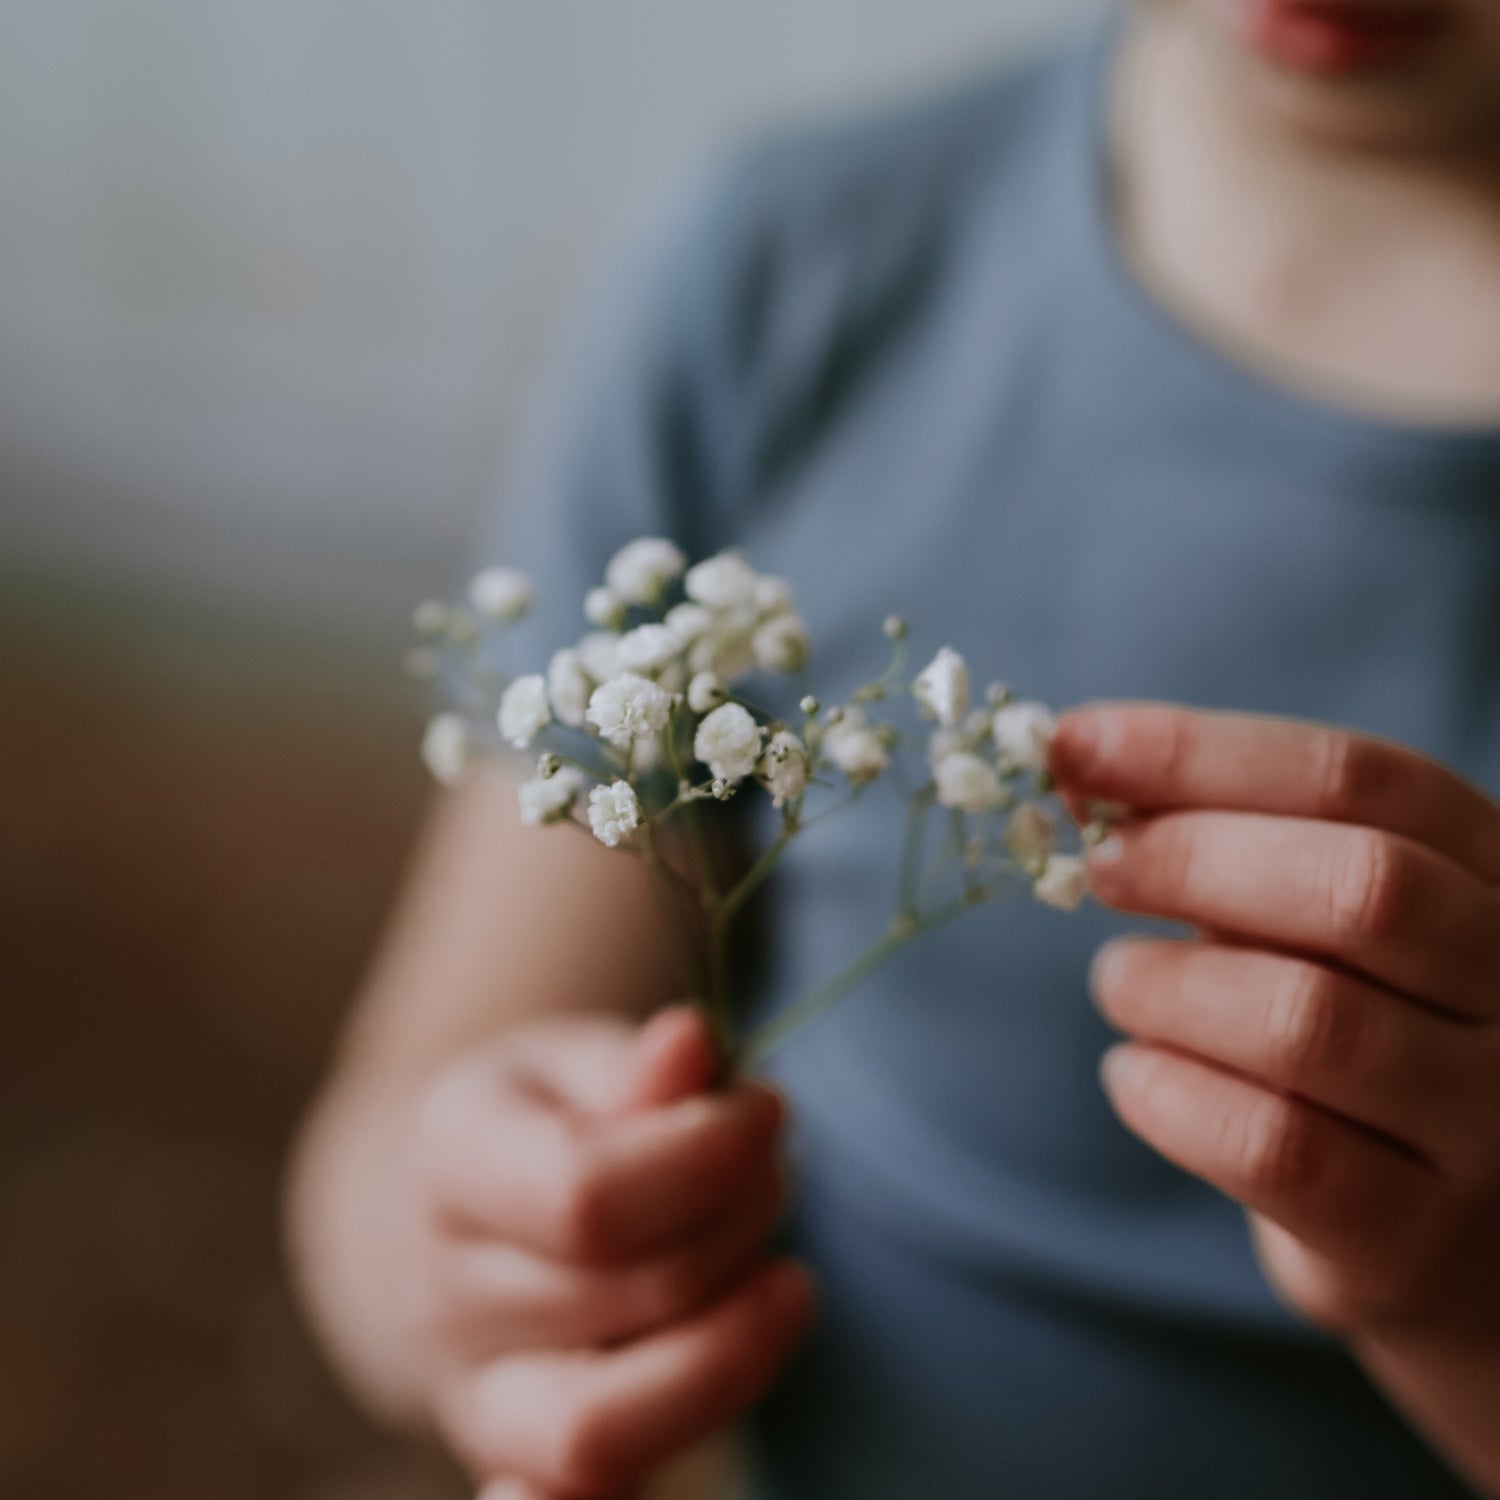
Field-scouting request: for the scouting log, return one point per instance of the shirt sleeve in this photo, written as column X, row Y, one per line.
column 629, row 432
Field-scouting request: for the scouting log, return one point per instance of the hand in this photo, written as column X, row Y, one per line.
column 1327, row 1049
column 587, row 1244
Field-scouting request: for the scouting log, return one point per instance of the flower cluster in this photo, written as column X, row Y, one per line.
column 644, row 719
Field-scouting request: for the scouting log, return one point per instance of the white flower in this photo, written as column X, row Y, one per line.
column 647, row 648
column 568, row 686
column 599, row 651
column 614, row 812
column 942, row 687
column 524, row 710
column 627, row 707
column 604, row 608
column 725, row 650
column 722, row 581
column 641, row 570
column 854, row 747
column 1023, row 734
column 545, row 799
column 728, row 742
column 1063, row 883
column 1030, row 837
column 942, row 743
column 705, row 693
column 501, row 594
column 780, row 645
column 773, row 596
column 445, row 748
column 783, row 768
column 688, row 622
column 430, row 617
column 967, row 782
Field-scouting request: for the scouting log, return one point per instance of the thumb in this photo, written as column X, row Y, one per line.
column 673, row 1058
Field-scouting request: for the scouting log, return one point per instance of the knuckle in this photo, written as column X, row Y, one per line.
column 1367, row 888
column 1346, row 774
column 585, row 1456
column 1179, row 748
column 582, row 1214
column 666, row 1290
column 1176, row 856
column 1275, row 1150
column 1317, row 1024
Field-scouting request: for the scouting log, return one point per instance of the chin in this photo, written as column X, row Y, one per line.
column 1416, row 92
column 1361, row 117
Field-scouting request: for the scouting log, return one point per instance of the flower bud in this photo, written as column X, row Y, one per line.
column 604, row 608
column 705, row 693
column 462, row 627
column 501, row 594
column 430, row 617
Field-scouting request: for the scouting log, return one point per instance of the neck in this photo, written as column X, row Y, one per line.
column 1350, row 268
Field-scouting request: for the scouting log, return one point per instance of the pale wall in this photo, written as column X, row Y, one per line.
column 271, row 271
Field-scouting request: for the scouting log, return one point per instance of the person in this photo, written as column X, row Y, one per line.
column 1161, row 370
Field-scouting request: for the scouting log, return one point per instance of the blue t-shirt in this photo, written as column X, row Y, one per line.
column 899, row 361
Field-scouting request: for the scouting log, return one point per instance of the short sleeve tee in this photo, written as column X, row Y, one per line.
column 899, row 361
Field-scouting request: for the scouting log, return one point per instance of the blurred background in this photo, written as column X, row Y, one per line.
column 272, row 276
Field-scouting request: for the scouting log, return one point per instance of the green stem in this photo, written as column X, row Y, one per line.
column 838, row 807
column 912, row 851
column 755, row 877
column 687, row 960
column 765, row 1040
column 719, row 1009
column 702, row 855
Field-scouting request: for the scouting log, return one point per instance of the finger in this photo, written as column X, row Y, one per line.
column 499, row 1299
column 513, row 1489
column 603, row 1064
column 1157, row 757
column 1325, row 1181
column 521, row 1489
column 674, row 1058
column 1392, row 909
column 590, row 1189
column 594, row 1423
column 1324, row 1035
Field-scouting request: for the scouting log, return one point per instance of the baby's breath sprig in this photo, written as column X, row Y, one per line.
column 644, row 721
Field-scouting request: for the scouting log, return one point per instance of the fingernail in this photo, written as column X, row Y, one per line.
column 1110, row 852
column 1116, row 1067
column 1106, row 966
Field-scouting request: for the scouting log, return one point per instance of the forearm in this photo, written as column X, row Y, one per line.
column 343, row 1228
column 1450, row 1390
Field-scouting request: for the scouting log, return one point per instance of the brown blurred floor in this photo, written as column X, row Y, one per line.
column 199, row 833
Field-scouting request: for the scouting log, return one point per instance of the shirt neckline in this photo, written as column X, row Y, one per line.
column 1210, row 378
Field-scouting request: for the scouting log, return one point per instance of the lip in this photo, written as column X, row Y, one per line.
column 1341, row 36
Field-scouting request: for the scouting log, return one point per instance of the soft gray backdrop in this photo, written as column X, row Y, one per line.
column 271, row 271
column 272, row 274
